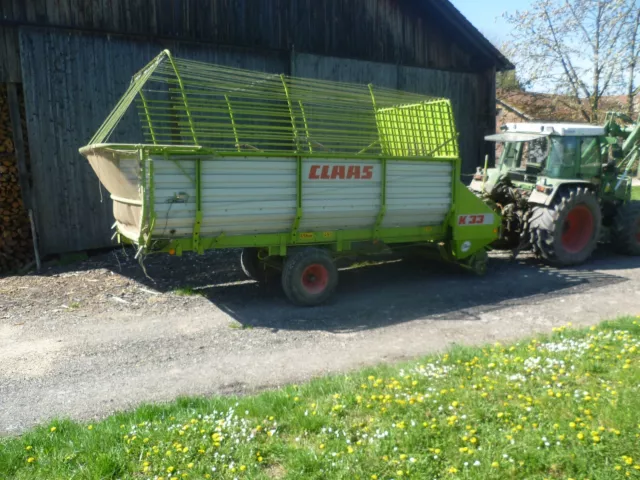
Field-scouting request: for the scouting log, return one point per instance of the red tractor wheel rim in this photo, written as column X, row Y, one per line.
column 578, row 229
column 315, row 278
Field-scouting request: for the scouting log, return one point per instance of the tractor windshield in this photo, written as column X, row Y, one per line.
column 526, row 154
column 562, row 157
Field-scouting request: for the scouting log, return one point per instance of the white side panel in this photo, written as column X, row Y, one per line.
column 239, row 196
column 243, row 196
column 174, row 196
column 418, row 193
column 340, row 194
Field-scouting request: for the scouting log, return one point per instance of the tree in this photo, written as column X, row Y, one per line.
column 632, row 36
column 509, row 82
column 580, row 49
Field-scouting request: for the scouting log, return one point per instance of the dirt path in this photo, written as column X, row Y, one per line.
column 86, row 340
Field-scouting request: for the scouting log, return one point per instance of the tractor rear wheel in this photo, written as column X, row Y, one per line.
column 309, row 277
column 567, row 232
column 254, row 266
column 626, row 229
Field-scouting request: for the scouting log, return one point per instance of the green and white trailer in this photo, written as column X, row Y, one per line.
column 296, row 172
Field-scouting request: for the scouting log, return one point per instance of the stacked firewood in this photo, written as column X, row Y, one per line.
column 16, row 248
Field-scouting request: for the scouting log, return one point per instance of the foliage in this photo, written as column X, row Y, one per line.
column 508, row 81
column 584, row 49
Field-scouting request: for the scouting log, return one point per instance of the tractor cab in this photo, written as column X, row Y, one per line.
column 532, row 154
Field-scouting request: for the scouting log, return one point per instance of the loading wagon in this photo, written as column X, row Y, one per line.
column 295, row 172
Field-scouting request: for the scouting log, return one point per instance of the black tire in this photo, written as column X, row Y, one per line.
column 254, row 268
column 309, row 277
column 567, row 232
column 626, row 229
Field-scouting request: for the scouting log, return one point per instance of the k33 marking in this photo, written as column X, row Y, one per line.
column 474, row 220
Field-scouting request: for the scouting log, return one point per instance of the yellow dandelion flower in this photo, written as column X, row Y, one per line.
column 53, row 429
column 243, row 468
column 495, row 465
column 31, row 459
column 580, row 436
column 453, row 469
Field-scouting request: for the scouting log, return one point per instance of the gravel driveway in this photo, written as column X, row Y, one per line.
column 86, row 340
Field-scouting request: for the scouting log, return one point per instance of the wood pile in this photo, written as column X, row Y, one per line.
column 16, row 248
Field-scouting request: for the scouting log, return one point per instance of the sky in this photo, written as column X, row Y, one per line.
column 486, row 15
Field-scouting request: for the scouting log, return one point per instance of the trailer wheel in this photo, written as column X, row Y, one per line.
column 567, row 232
column 254, row 267
column 626, row 229
column 309, row 277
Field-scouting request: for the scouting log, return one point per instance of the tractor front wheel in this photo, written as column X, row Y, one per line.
column 626, row 229
column 567, row 232
column 309, row 277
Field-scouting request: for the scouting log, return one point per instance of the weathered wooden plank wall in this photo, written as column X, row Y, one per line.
column 71, row 83
column 76, row 57
column 463, row 89
column 9, row 56
column 407, row 32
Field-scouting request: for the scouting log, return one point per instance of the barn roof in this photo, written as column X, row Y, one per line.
column 468, row 32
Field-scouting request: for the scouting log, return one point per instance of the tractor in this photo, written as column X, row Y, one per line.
column 563, row 188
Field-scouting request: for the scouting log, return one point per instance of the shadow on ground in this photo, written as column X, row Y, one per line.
column 368, row 297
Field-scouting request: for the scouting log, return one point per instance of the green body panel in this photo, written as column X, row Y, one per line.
column 472, row 221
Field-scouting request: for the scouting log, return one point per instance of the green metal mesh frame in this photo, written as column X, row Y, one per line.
column 187, row 103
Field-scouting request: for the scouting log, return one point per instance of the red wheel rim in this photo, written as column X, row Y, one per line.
column 578, row 229
column 315, row 278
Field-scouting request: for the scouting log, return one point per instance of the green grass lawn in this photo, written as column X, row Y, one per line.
column 559, row 407
column 635, row 193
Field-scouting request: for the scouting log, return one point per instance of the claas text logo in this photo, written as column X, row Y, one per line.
column 341, row 172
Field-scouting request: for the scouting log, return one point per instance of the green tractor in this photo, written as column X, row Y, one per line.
column 563, row 188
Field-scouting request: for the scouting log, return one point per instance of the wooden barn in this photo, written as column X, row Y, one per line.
column 64, row 64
